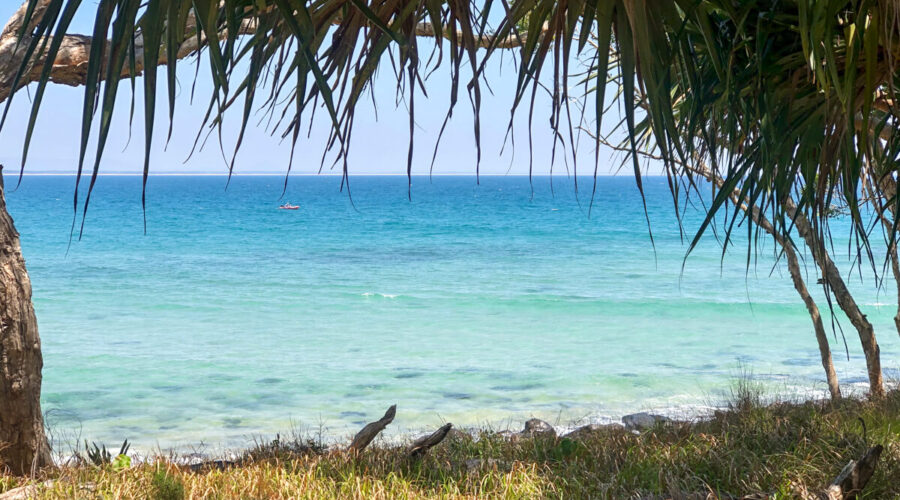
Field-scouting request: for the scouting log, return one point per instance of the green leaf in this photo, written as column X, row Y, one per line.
column 120, row 462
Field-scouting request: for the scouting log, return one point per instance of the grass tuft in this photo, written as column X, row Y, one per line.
column 166, row 487
column 283, row 449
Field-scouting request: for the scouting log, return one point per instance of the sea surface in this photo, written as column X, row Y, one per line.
column 231, row 320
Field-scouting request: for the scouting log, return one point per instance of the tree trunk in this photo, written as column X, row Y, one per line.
column 821, row 337
column 793, row 264
column 23, row 445
column 835, row 283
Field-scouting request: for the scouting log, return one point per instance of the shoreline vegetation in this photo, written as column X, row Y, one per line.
column 753, row 448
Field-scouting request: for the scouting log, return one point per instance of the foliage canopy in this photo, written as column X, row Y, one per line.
column 794, row 102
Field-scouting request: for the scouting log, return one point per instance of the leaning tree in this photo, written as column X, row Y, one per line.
column 790, row 109
column 788, row 105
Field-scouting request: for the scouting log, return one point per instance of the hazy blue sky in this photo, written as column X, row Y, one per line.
column 378, row 146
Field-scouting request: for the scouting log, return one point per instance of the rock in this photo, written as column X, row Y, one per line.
column 26, row 492
column 35, row 490
column 586, row 431
column 537, row 427
column 643, row 421
column 194, row 458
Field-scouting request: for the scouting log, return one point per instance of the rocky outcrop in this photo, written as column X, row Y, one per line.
column 588, row 431
column 643, row 421
column 536, row 427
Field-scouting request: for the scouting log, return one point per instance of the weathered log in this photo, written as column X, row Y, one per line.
column 368, row 433
column 71, row 62
column 854, row 477
column 420, row 446
column 848, row 484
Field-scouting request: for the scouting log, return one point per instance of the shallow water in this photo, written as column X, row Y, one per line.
column 471, row 304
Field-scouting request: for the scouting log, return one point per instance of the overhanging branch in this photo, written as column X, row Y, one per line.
column 71, row 62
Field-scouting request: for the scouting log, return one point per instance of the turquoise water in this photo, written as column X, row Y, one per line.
column 471, row 304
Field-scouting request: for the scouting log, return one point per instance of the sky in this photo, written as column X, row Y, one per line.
column 378, row 146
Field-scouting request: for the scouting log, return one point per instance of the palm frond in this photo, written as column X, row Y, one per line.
column 795, row 99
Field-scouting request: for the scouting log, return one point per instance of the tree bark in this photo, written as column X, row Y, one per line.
column 368, row 433
column 23, row 445
column 854, row 477
column 793, row 264
column 797, row 278
column 835, row 283
column 421, row 446
column 71, row 62
column 11, row 51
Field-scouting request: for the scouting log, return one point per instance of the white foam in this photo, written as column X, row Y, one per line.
column 383, row 295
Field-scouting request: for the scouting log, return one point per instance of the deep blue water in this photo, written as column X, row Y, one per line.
column 471, row 304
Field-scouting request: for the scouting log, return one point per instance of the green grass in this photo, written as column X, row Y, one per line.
column 751, row 447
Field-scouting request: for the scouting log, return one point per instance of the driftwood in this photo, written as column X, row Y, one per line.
column 368, row 433
column 854, row 477
column 420, row 446
column 849, row 483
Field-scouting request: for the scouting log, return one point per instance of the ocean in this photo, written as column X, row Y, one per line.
column 482, row 305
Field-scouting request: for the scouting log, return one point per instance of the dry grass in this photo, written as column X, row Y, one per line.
column 750, row 448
